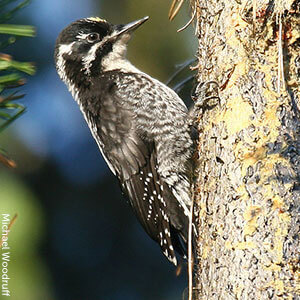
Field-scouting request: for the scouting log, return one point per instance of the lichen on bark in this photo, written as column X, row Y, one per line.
column 248, row 188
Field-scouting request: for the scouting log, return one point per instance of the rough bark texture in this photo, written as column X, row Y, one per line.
column 248, row 188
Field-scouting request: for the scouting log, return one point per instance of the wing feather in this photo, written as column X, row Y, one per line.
column 134, row 162
column 144, row 190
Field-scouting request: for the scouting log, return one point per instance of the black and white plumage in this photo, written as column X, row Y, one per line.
column 140, row 125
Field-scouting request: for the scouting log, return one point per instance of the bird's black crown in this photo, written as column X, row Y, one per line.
column 83, row 28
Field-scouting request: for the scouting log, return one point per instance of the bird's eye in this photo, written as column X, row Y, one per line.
column 92, row 37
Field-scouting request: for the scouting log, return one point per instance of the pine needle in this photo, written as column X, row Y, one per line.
column 189, row 22
column 7, row 161
column 174, row 9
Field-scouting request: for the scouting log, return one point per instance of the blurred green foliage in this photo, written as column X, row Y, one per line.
column 11, row 77
column 24, row 265
column 27, row 273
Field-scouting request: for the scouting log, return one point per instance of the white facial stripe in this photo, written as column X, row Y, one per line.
column 91, row 56
column 60, row 64
column 82, row 35
column 66, row 49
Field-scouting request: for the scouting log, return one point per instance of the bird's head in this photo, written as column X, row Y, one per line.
column 89, row 46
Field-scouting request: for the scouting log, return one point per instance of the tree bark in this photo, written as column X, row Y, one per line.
column 248, row 176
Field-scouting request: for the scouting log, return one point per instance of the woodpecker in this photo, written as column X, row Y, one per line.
column 140, row 125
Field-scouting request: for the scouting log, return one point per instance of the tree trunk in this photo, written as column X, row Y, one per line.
column 248, row 185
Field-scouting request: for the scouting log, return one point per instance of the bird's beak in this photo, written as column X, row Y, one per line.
column 128, row 28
